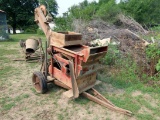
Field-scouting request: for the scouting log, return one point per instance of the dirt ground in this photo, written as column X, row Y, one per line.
column 18, row 92
column 19, row 101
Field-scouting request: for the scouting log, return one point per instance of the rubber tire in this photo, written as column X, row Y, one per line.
column 42, row 82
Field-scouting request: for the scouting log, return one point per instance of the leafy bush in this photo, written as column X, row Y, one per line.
column 112, row 55
column 158, row 66
column 108, row 11
column 153, row 51
column 153, row 54
column 157, row 28
column 85, row 10
column 142, row 9
column 62, row 24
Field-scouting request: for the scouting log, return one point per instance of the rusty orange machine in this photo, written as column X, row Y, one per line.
column 71, row 64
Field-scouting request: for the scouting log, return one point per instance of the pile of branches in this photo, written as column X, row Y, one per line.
column 131, row 24
column 130, row 42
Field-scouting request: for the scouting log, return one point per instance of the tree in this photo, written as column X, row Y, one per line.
column 108, row 10
column 19, row 12
column 51, row 5
column 62, row 24
column 103, row 2
column 143, row 11
column 84, row 10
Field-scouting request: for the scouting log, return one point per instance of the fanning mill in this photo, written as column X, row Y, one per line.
column 70, row 64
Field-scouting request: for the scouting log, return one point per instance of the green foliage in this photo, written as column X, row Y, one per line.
column 157, row 28
column 19, row 12
column 30, row 29
column 84, row 10
column 128, row 70
column 108, row 11
column 40, row 32
column 153, row 51
column 51, row 5
column 158, row 66
column 62, row 24
column 112, row 55
column 81, row 100
column 153, row 54
column 144, row 11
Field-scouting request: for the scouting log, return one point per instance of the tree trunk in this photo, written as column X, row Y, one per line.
column 9, row 30
column 14, row 30
column 14, row 23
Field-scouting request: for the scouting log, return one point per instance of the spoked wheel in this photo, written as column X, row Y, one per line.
column 39, row 82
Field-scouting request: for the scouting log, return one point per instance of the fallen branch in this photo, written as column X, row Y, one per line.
column 145, row 42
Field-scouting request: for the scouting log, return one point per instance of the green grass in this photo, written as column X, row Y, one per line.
column 81, row 100
column 9, row 50
column 61, row 117
column 8, row 106
column 134, row 104
column 125, row 79
column 7, row 102
column 122, row 75
column 145, row 117
column 18, row 37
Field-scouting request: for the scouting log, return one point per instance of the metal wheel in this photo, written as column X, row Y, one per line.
column 39, row 82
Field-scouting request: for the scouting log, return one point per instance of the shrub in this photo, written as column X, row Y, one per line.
column 112, row 55
column 108, row 11
column 158, row 66
column 153, row 55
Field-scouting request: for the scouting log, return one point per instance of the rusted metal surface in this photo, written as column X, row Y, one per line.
column 31, row 45
column 32, row 49
column 39, row 82
column 80, row 55
column 72, row 65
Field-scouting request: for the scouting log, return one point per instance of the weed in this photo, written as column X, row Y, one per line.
column 112, row 55
column 60, row 117
column 8, row 106
column 145, row 117
column 33, row 90
column 7, row 103
column 21, row 97
column 81, row 100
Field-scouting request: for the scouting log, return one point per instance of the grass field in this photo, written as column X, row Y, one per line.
column 19, row 101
